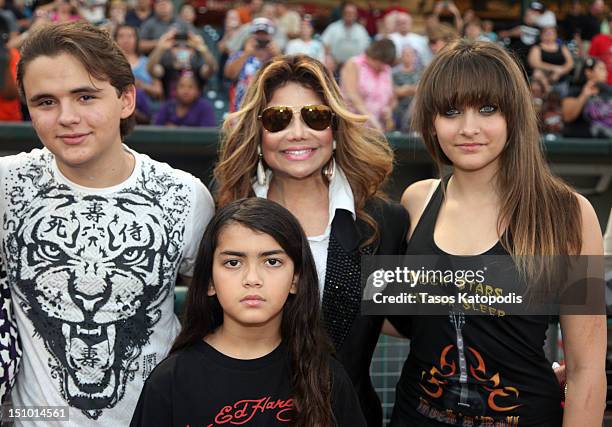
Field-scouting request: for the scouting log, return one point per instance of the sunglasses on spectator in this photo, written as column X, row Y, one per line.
column 277, row 118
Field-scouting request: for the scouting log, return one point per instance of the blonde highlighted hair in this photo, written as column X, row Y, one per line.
column 539, row 215
column 363, row 154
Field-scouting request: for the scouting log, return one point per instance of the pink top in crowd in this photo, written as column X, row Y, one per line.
column 375, row 88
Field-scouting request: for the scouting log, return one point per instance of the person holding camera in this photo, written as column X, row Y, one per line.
column 160, row 23
column 180, row 50
column 242, row 65
column 447, row 12
column 521, row 36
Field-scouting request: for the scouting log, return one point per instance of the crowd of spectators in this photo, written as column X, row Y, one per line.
column 194, row 63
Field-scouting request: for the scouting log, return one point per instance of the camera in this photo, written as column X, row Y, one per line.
column 181, row 36
column 262, row 43
column 182, row 33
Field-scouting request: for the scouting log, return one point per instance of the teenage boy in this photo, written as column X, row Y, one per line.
column 93, row 234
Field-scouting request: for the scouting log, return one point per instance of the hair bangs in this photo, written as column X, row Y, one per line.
column 469, row 80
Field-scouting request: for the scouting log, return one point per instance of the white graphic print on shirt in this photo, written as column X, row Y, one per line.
column 95, row 273
column 10, row 350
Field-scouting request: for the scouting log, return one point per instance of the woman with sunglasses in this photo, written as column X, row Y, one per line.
column 295, row 142
column 470, row 365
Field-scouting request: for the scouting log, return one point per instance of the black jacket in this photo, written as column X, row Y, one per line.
column 355, row 336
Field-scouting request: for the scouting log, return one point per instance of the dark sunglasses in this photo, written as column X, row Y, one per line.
column 317, row 117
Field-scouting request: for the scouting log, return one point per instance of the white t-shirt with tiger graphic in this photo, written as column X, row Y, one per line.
column 92, row 274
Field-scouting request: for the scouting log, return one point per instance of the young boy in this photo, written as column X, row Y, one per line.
column 93, row 234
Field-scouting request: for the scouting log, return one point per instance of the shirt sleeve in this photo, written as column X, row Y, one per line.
column 345, row 403
column 154, row 407
column 233, row 56
column 202, row 211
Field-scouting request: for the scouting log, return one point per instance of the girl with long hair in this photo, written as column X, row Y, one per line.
column 295, row 142
column 252, row 349
column 475, row 115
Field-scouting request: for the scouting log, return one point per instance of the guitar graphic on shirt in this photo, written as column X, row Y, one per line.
column 467, row 386
column 458, row 320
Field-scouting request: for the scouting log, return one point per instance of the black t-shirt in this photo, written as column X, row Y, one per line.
column 589, row 27
column 199, row 386
column 529, row 36
column 579, row 128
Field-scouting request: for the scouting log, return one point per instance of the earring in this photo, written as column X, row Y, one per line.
column 261, row 172
column 330, row 169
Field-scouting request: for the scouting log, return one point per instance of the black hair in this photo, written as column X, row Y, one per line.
column 587, row 64
column 301, row 326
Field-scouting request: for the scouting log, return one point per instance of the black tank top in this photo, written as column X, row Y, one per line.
column 473, row 369
column 553, row 58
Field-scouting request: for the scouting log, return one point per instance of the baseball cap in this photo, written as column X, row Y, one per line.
column 262, row 24
column 536, row 5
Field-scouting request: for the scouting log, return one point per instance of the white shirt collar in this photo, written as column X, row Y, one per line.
column 340, row 194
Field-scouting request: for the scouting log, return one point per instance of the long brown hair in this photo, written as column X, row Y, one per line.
column 301, row 328
column 539, row 214
column 363, row 154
